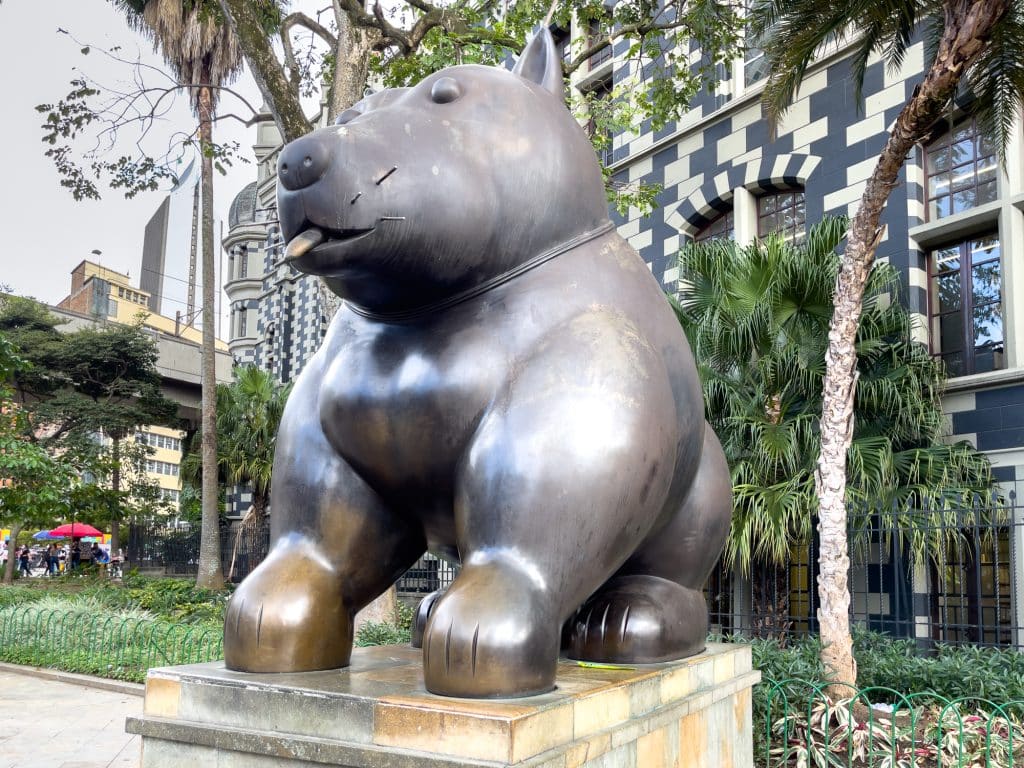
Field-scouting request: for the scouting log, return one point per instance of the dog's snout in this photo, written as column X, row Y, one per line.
column 304, row 161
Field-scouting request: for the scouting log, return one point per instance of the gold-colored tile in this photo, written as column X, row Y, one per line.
column 693, row 745
column 652, row 750
column 585, row 751
column 725, row 668
column 597, row 711
column 162, row 697
column 442, row 732
column 541, row 731
column 676, row 685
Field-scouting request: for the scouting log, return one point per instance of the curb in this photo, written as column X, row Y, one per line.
column 87, row 681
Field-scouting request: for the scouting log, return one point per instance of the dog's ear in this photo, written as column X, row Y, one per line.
column 541, row 63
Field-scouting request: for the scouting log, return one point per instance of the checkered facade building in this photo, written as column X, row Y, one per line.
column 721, row 152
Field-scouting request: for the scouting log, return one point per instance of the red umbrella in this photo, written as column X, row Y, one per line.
column 75, row 530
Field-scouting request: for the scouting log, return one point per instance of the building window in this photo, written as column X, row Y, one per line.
column 563, row 42
column 243, row 263
column 594, row 36
column 600, row 97
column 721, row 228
column 243, row 318
column 962, row 170
column 784, row 213
column 965, row 306
column 755, row 65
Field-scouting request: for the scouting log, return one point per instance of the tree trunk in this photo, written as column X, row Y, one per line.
column 351, row 64
column 12, row 553
column 115, row 485
column 210, row 574
column 266, row 70
column 968, row 26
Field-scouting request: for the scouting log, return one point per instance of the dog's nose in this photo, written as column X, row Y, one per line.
column 304, row 161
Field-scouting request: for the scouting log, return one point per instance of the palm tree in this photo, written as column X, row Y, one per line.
column 758, row 320
column 248, row 415
column 975, row 45
column 204, row 54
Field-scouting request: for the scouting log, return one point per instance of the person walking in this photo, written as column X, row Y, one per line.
column 23, row 558
column 51, row 559
column 76, row 554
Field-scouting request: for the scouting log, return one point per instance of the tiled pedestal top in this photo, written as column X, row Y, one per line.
column 377, row 713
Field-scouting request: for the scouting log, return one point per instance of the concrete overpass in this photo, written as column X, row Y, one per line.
column 179, row 362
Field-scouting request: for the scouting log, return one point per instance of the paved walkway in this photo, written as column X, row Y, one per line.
column 50, row 724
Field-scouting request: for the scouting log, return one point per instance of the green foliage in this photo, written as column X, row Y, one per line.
column 386, row 632
column 758, row 318
column 70, row 388
column 248, row 415
column 950, row 672
column 85, row 634
column 381, row 633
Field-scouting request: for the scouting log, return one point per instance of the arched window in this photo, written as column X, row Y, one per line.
column 721, row 228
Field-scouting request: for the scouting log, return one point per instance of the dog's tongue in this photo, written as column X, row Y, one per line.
column 302, row 243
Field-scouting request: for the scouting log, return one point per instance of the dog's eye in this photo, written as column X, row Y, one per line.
column 445, row 90
column 346, row 116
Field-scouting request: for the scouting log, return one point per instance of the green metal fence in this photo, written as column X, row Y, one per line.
column 796, row 724
column 110, row 646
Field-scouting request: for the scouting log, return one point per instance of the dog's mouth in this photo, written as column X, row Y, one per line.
column 308, row 239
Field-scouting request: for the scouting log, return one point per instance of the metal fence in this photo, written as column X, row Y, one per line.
column 964, row 587
column 175, row 551
column 961, row 588
column 109, row 646
column 795, row 724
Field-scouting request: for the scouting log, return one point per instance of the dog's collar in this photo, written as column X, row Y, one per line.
column 487, row 285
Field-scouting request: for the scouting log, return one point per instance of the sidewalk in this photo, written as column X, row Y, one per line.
column 50, row 724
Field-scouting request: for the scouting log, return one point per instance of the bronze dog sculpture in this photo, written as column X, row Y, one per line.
column 505, row 385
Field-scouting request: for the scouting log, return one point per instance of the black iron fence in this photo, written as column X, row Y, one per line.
column 175, row 551
column 951, row 579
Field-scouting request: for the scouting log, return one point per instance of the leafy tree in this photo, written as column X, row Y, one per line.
column 338, row 53
column 203, row 53
column 97, row 381
column 758, row 320
column 248, row 415
column 406, row 42
column 32, row 483
column 972, row 46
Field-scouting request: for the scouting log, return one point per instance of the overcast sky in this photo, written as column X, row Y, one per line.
column 45, row 231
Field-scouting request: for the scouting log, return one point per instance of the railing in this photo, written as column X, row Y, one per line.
column 796, row 724
column 175, row 551
column 109, row 646
column 961, row 590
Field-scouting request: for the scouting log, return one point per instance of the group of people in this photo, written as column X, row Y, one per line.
column 71, row 556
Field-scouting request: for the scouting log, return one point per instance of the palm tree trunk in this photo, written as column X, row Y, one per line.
column 968, row 25
column 115, row 485
column 12, row 553
column 210, row 574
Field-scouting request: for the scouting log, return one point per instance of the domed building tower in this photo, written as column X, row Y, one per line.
column 277, row 316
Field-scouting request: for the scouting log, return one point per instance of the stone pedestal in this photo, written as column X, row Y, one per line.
column 694, row 713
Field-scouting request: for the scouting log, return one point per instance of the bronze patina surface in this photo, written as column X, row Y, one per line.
column 505, row 385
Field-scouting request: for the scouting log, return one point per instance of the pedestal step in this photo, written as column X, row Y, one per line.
column 693, row 713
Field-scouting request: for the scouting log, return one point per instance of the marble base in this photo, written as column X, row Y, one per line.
column 694, row 713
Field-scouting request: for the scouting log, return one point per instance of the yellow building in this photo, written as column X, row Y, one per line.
column 106, row 294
